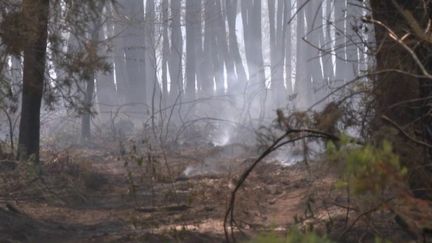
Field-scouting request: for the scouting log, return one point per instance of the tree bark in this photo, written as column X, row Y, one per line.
column 175, row 62
column 165, row 47
column 277, row 50
column 135, row 56
column 107, row 96
column 193, row 42
column 327, row 42
column 206, row 83
column 302, row 84
column 154, row 91
column 35, row 14
column 251, row 16
column 395, row 93
column 92, row 49
column 314, row 30
column 288, row 47
column 343, row 70
column 231, row 6
column 223, row 46
column 86, row 116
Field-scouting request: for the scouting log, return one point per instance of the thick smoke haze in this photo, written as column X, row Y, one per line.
column 214, row 72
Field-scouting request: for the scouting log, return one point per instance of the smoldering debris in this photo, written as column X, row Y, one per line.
column 221, row 160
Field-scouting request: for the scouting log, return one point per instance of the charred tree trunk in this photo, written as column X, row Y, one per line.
column 395, row 94
column 35, row 14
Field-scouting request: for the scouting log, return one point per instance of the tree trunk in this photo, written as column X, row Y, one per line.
column 327, row 42
column 165, row 48
column 86, row 116
column 231, row 6
column 343, row 68
column 314, row 30
column 107, row 96
column 119, row 68
column 302, row 84
column 395, row 94
column 135, row 56
column 35, row 14
column 206, row 83
column 222, row 42
column 90, row 82
column 288, row 47
column 277, row 50
column 251, row 16
column 175, row 61
column 193, row 41
column 154, row 91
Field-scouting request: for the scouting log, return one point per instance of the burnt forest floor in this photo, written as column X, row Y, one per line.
column 93, row 195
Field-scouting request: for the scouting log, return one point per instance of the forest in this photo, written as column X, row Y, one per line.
column 216, row 121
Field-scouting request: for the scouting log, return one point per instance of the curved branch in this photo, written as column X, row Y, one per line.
column 229, row 214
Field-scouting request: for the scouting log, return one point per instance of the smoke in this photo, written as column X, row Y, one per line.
column 221, row 160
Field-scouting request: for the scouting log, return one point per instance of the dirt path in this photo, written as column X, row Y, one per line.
column 187, row 210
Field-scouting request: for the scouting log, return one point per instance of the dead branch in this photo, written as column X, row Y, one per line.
column 394, row 124
column 229, row 214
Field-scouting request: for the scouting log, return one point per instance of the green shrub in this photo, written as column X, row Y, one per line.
column 368, row 169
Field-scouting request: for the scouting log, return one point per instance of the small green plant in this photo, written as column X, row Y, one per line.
column 293, row 236
column 368, row 169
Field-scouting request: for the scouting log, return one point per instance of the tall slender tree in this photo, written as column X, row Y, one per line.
column 277, row 50
column 134, row 53
column 314, row 33
column 150, row 62
column 165, row 46
column 206, row 84
column 343, row 67
column 231, row 13
column 175, row 61
column 89, row 79
column 35, row 14
column 106, row 85
column 193, row 45
column 251, row 16
column 288, row 46
column 302, row 81
column 223, row 46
